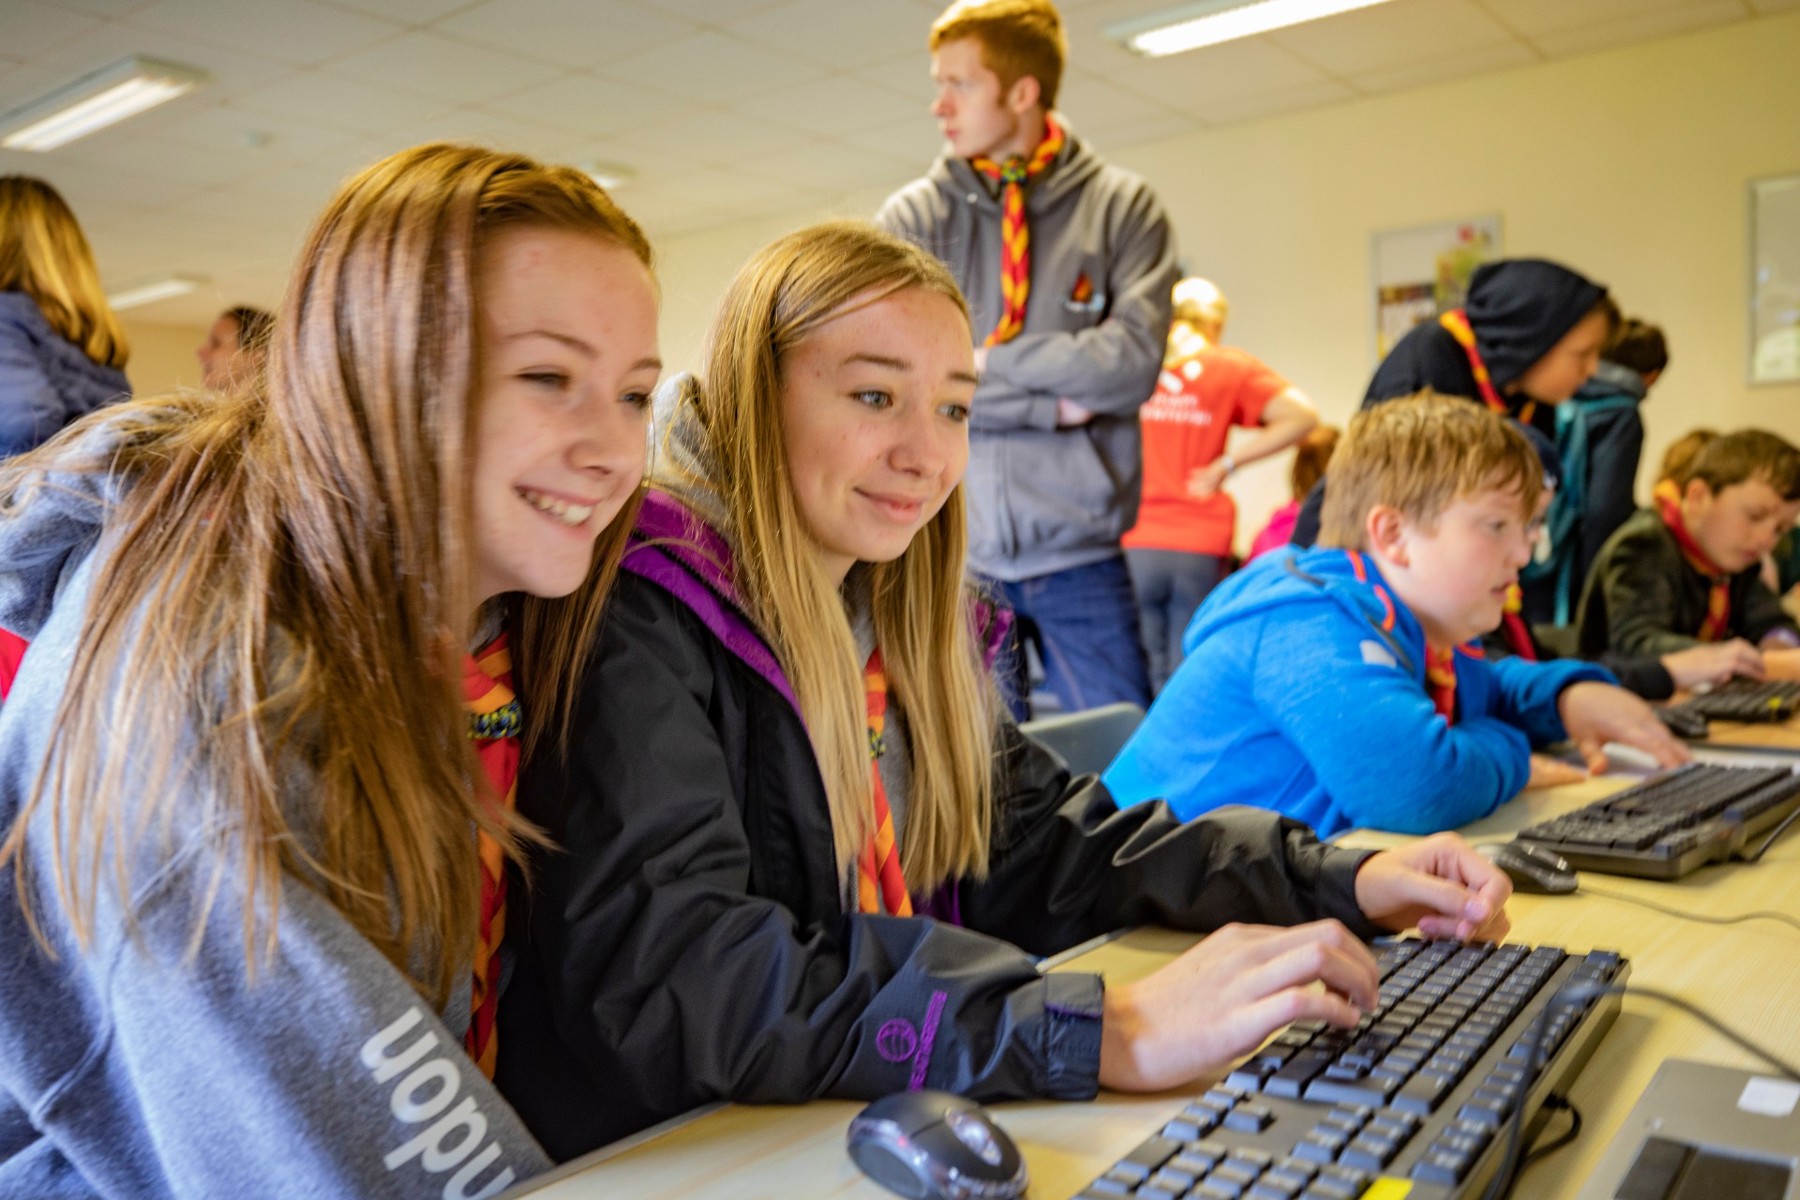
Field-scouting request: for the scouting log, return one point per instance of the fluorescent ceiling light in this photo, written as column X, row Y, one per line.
column 93, row 102
column 150, row 291
column 1213, row 21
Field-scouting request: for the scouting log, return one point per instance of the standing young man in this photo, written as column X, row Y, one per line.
column 1069, row 263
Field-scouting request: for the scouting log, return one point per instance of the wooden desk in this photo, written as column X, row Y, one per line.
column 1746, row 974
column 1779, row 736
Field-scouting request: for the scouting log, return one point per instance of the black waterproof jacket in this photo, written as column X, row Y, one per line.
column 688, row 943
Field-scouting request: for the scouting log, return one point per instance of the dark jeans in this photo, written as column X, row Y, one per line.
column 1084, row 623
column 1170, row 585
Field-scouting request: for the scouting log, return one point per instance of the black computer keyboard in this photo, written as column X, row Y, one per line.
column 1419, row 1092
column 1672, row 824
column 1745, row 700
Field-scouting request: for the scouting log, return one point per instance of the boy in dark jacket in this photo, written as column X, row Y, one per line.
column 1529, row 335
column 1340, row 686
column 1688, row 570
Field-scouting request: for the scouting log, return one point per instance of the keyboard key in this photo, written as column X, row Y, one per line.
column 1249, row 1118
column 1149, row 1155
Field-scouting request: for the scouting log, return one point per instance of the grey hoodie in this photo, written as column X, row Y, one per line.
column 1103, row 262
column 130, row 1069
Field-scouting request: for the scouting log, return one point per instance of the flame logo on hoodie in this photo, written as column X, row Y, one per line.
column 1082, row 297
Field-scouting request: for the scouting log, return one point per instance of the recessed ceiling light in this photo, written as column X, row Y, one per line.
column 152, row 290
column 93, row 102
column 608, row 175
column 1213, row 21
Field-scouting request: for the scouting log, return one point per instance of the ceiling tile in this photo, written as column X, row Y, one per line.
column 1434, row 69
column 103, row 8
column 1134, row 133
column 293, row 31
column 405, row 12
column 1093, row 104
column 834, row 104
column 232, row 72
column 1774, row 6
column 451, row 71
column 713, row 68
column 1198, row 81
column 342, row 104
column 1402, row 33
column 704, row 12
column 92, row 191
column 592, row 107
column 1533, row 18
column 22, row 83
column 1228, row 109
column 1658, row 22
column 576, row 33
column 137, row 156
column 833, row 165
column 908, row 74
column 712, row 136
column 482, row 128
column 911, row 142
column 837, row 34
column 227, row 129
column 28, row 30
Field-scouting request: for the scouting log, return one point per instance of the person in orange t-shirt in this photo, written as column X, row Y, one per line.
column 1181, row 544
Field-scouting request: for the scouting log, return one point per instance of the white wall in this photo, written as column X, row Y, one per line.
column 1630, row 164
column 162, row 357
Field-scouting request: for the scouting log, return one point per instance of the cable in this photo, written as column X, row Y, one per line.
column 1555, row 1103
column 1762, row 914
column 1770, row 840
column 1581, row 995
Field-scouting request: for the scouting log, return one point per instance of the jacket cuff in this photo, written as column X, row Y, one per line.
column 1073, row 1006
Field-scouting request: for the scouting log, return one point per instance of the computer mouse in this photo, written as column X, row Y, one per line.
column 936, row 1146
column 1532, row 868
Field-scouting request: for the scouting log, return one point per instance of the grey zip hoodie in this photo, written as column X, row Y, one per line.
column 132, row 1069
column 1103, row 262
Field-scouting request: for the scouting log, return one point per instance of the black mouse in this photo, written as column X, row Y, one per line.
column 1531, row 867
column 936, row 1146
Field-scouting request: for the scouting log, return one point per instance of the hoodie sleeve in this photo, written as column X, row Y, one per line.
column 1111, row 368
column 1369, row 732
column 319, row 1072
column 1638, row 577
column 1525, row 693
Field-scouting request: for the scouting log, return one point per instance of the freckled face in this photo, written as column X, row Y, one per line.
column 567, row 334
column 875, row 410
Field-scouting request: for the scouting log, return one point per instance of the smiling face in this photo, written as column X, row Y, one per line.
column 567, row 338
column 875, row 409
column 1454, row 573
column 978, row 117
column 1737, row 524
column 1569, row 363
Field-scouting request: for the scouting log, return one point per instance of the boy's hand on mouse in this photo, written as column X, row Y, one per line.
column 1707, row 665
column 1547, row 772
column 1598, row 713
column 1225, row 996
column 1438, row 885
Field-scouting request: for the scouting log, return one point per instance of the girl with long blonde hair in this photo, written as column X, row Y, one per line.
column 62, row 352
column 802, row 849
column 257, row 759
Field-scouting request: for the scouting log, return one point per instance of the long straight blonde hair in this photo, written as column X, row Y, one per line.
column 288, row 580
column 921, row 610
column 44, row 254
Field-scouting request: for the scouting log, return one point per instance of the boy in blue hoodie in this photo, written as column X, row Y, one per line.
column 1343, row 686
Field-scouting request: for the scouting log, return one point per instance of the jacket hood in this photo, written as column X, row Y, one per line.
column 49, row 521
column 685, row 465
column 1072, row 168
column 1611, row 379
column 1295, row 576
column 1520, row 307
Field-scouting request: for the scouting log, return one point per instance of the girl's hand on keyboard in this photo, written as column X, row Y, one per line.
column 1549, row 772
column 1438, row 885
column 1224, row 997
